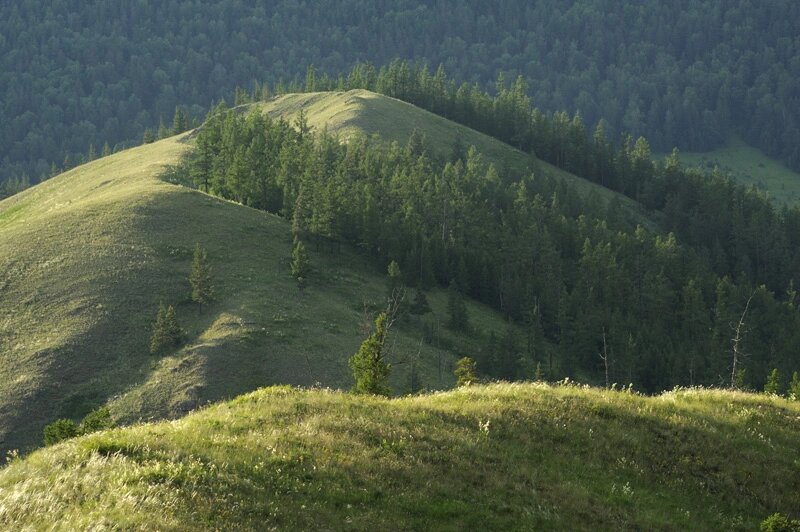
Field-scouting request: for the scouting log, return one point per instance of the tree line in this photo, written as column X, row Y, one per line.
column 582, row 282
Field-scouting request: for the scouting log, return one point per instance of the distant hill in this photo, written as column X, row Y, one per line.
column 499, row 457
column 87, row 256
column 362, row 112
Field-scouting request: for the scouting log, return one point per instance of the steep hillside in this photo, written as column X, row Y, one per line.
column 364, row 112
column 499, row 457
column 86, row 257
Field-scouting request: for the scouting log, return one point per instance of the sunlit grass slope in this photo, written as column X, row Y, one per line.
column 749, row 166
column 86, row 257
column 497, row 457
column 359, row 112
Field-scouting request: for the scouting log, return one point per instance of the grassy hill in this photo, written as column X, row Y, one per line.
column 86, row 257
column 497, row 457
column 749, row 166
column 358, row 112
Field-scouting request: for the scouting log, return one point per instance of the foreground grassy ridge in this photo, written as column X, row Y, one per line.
column 86, row 257
column 503, row 457
column 362, row 112
column 749, row 166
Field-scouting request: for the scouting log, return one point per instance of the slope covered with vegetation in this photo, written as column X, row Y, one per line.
column 598, row 296
column 498, row 457
column 87, row 257
column 687, row 74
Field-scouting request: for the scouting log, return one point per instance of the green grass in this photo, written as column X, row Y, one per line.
column 86, row 257
column 749, row 166
column 362, row 112
column 497, row 457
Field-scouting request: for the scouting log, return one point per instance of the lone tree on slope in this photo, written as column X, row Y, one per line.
column 200, row 277
column 370, row 369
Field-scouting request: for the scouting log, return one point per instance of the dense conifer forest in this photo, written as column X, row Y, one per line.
column 581, row 278
column 76, row 75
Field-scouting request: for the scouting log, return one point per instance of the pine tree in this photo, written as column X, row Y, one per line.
column 106, row 150
column 166, row 331
column 370, row 369
column 457, row 309
column 420, row 305
column 414, row 382
column 466, row 372
column 300, row 261
column 163, row 132
column 539, row 375
column 200, row 277
column 794, row 387
column 180, row 122
column 148, row 136
column 773, row 384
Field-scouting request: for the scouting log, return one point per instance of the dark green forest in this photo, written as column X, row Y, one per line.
column 75, row 75
column 579, row 277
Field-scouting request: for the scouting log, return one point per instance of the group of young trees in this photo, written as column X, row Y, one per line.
column 564, row 265
column 167, row 333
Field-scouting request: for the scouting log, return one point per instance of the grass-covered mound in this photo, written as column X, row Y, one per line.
column 502, row 457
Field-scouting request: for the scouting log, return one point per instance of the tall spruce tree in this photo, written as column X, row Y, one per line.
column 200, row 277
column 301, row 264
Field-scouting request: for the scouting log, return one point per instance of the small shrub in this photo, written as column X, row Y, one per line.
column 99, row 419
column 59, row 430
column 780, row 523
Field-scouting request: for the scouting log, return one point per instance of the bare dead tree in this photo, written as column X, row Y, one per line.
column 739, row 333
column 393, row 303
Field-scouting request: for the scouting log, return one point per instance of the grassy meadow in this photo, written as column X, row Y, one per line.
column 523, row 456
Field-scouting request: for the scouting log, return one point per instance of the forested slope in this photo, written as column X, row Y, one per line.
column 686, row 73
column 659, row 304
